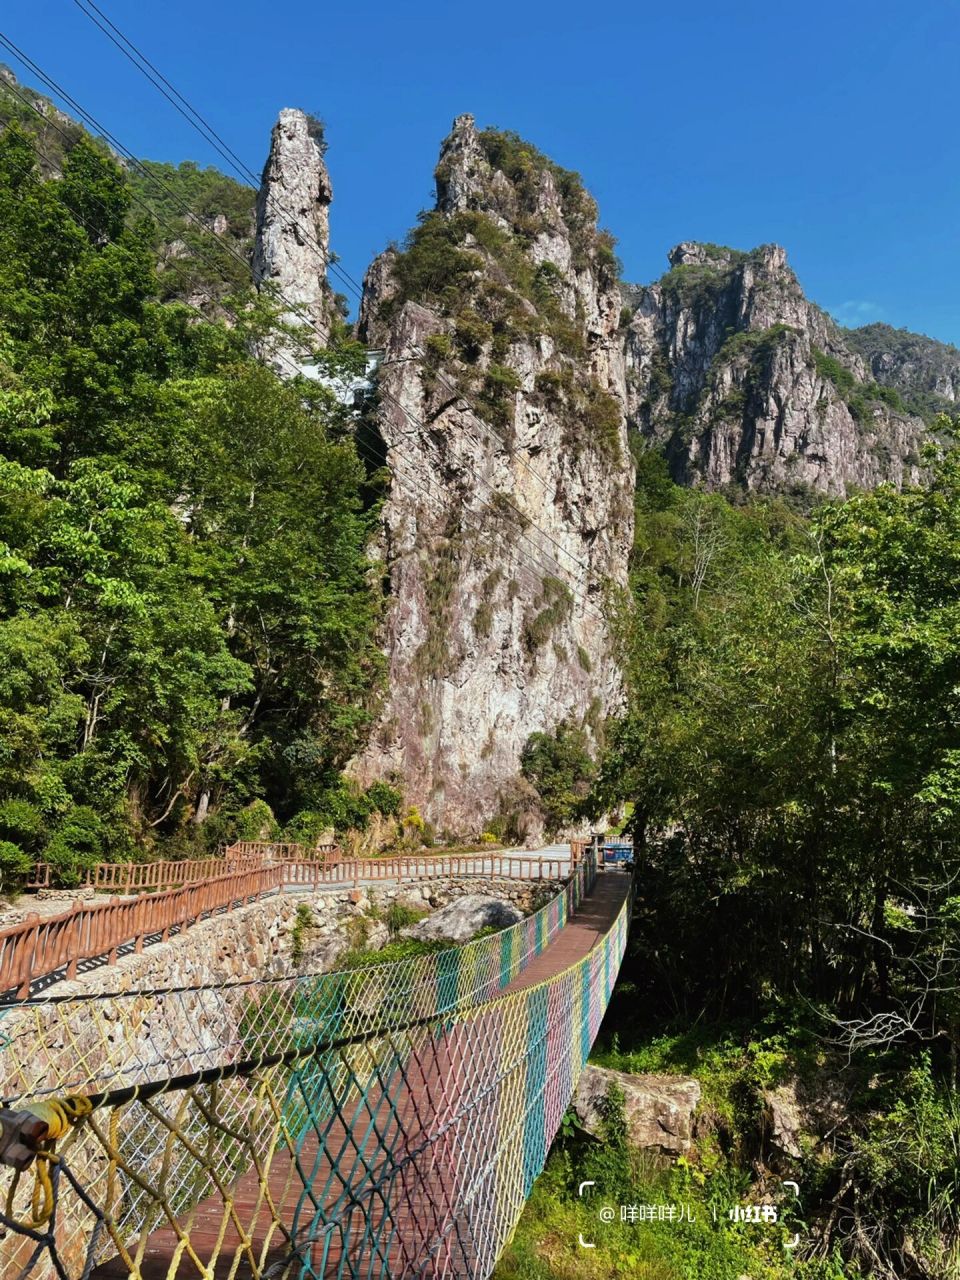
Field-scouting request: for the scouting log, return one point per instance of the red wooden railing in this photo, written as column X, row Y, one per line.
column 138, row 877
column 141, row 877
column 134, row 877
column 427, row 867
column 281, row 851
column 89, row 930
column 39, row 876
column 40, row 946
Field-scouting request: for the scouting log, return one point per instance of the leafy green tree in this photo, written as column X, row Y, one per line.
column 186, row 611
column 560, row 765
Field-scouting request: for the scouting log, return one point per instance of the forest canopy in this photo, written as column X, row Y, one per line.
column 167, row 656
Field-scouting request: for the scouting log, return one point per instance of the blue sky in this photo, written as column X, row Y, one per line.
column 828, row 127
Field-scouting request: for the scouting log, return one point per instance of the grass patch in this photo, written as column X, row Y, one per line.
column 708, row 1247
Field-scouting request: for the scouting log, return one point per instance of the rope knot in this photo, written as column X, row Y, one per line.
column 31, row 1135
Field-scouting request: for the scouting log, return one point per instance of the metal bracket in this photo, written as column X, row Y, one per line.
column 21, row 1132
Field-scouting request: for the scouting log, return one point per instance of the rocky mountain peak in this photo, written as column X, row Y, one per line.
column 691, row 253
column 463, row 172
column 744, row 381
column 501, row 409
column 293, row 223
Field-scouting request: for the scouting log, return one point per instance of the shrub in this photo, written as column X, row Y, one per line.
column 400, row 915
column 483, row 620
column 381, row 798
column 256, row 822
column 432, row 266
column 600, row 414
column 344, row 806
column 560, row 768
column 303, row 920
column 439, row 348
column 472, row 333
column 307, row 827
column 14, row 866
column 413, row 819
column 21, row 822
column 316, row 128
column 500, row 385
column 555, row 603
column 442, row 571
column 78, row 843
column 402, row 949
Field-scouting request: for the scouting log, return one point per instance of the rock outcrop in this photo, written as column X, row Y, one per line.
column 293, row 230
column 510, row 512
column 461, row 919
column 659, row 1109
column 925, row 372
column 513, row 366
column 743, row 381
column 800, row 1113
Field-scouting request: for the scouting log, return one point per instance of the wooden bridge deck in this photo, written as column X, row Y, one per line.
column 428, row 1098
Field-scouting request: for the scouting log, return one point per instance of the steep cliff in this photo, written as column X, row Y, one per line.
column 293, row 227
column 743, row 381
column 500, row 406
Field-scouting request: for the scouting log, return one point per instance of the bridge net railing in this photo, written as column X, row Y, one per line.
column 352, row 1141
column 50, row 1045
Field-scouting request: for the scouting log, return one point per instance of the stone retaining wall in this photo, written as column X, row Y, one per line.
column 250, row 942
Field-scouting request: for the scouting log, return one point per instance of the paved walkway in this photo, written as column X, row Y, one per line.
column 581, row 934
column 424, row 1103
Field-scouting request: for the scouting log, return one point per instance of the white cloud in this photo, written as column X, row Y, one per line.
column 857, row 311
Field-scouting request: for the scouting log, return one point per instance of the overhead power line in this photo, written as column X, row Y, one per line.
column 415, row 492
column 206, row 130
column 553, row 567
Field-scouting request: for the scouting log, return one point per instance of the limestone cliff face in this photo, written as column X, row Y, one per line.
column 293, row 226
column 500, row 404
column 742, row 380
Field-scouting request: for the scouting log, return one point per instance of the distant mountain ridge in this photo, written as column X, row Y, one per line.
column 186, row 201
column 742, row 381
column 924, row 370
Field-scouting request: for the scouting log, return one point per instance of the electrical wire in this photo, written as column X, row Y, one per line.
column 199, row 122
column 370, row 453
column 418, row 426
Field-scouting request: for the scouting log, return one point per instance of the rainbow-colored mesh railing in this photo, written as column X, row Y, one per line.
column 377, row 1123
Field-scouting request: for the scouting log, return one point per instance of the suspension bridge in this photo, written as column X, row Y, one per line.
column 378, row 1122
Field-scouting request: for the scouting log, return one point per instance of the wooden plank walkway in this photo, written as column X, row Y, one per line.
column 423, row 1104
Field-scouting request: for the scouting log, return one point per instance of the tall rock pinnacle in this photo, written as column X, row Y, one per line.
column 293, row 224
column 501, row 408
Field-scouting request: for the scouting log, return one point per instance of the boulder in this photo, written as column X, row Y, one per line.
column 325, row 955
column 784, row 1120
column 814, row 1106
column 659, row 1108
column 462, row 918
column 378, row 935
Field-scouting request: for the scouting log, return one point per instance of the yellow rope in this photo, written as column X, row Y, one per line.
column 59, row 1115
column 392, row 1144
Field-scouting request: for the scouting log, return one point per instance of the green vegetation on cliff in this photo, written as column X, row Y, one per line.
column 188, row 203
column 199, row 223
